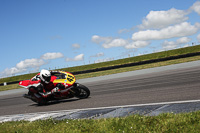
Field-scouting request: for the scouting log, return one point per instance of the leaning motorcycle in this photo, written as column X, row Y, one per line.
column 72, row 89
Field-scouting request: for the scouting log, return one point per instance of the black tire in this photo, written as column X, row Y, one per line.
column 81, row 91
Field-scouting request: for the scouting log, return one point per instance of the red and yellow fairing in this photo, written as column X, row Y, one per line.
column 68, row 80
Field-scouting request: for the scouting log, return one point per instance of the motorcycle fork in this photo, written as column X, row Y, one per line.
column 74, row 86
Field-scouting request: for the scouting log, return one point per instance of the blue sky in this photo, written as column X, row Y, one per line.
column 37, row 34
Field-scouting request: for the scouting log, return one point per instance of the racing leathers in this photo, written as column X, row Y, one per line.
column 43, row 89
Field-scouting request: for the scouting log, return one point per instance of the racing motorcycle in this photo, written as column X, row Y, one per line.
column 71, row 89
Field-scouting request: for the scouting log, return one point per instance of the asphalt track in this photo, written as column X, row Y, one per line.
column 163, row 84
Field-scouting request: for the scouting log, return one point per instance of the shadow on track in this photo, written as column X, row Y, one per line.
column 55, row 102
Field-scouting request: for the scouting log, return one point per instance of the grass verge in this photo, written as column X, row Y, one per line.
column 169, row 122
column 133, row 68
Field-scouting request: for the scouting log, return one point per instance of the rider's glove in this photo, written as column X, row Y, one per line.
column 55, row 90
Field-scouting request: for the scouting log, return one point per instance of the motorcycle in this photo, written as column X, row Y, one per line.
column 71, row 89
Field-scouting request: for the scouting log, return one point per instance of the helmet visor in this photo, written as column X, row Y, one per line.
column 47, row 79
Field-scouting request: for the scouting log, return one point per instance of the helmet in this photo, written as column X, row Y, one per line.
column 45, row 76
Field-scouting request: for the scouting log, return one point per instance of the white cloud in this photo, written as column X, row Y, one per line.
column 196, row 7
column 98, row 39
column 50, row 56
column 108, row 42
column 23, row 66
column 79, row 57
column 186, row 45
column 157, row 25
column 198, row 38
column 98, row 54
column 76, row 58
column 30, row 63
column 11, row 71
column 103, row 60
column 76, row 46
column 126, row 30
column 115, row 43
column 137, row 44
column 161, row 19
column 179, row 30
column 167, row 45
column 183, row 40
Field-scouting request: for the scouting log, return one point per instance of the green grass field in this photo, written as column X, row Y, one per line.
column 169, row 122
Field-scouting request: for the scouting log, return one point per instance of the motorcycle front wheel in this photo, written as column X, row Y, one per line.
column 81, row 91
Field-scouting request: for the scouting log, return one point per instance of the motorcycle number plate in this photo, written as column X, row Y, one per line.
column 70, row 78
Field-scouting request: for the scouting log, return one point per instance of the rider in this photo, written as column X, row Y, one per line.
column 43, row 80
